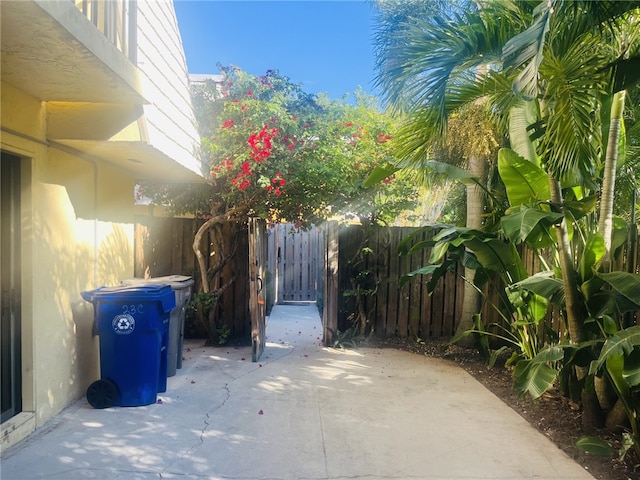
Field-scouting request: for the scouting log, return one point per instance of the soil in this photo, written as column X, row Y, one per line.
column 554, row 415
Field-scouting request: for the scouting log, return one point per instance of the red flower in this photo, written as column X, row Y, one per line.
column 383, row 138
column 388, row 179
column 277, row 191
column 246, row 168
column 228, row 124
column 349, row 124
column 250, row 92
column 260, row 143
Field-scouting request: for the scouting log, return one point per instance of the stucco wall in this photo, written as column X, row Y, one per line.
column 77, row 234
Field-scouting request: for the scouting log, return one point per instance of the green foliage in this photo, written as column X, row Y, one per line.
column 273, row 151
column 347, row 339
column 594, row 446
column 224, row 332
column 551, row 89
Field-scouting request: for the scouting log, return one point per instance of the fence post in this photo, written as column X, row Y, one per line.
column 330, row 310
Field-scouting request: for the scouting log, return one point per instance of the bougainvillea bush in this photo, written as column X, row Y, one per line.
column 275, row 152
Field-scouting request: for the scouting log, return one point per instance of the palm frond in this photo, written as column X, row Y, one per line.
column 571, row 147
column 524, row 52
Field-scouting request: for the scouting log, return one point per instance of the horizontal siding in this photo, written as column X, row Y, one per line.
column 171, row 123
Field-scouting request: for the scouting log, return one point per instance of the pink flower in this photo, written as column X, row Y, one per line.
column 250, row 92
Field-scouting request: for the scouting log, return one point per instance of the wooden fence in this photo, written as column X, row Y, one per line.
column 163, row 246
column 392, row 310
column 295, row 262
column 409, row 310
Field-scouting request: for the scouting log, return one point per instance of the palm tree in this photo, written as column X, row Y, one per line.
column 558, row 55
column 436, row 66
column 565, row 59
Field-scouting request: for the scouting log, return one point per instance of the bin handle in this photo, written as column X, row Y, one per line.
column 259, row 284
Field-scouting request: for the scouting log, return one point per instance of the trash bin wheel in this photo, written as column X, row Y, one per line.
column 102, row 394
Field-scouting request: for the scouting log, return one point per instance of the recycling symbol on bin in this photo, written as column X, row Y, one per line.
column 123, row 324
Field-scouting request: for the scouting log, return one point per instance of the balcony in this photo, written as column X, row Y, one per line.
column 116, row 19
column 54, row 50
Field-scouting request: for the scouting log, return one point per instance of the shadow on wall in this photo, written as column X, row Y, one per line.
column 68, row 353
column 115, row 258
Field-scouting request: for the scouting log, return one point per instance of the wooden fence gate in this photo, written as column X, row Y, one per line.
column 295, row 262
column 257, row 267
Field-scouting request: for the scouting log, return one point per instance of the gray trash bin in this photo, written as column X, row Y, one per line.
column 182, row 286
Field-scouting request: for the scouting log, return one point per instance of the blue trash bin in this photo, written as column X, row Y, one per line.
column 133, row 325
column 182, row 287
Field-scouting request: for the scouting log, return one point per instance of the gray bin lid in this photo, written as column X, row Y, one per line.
column 176, row 281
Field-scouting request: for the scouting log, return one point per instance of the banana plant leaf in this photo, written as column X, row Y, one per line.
column 530, row 225
column 535, row 376
column 626, row 285
column 619, row 235
column 582, row 207
column 426, row 270
column 631, row 371
column 546, row 285
column 526, row 50
column 521, row 116
column 525, row 182
column 454, row 173
column 595, row 446
column 498, row 256
column 593, row 252
column 620, row 344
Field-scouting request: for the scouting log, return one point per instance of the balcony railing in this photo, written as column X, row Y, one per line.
column 116, row 19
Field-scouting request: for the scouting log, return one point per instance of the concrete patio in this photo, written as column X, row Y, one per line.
column 303, row 412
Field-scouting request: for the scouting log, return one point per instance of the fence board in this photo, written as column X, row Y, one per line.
column 404, row 292
column 393, row 296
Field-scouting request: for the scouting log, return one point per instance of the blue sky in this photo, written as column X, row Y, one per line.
column 325, row 45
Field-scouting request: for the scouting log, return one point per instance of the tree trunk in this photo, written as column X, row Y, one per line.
column 210, row 272
column 475, row 209
column 573, row 306
column 605, row 225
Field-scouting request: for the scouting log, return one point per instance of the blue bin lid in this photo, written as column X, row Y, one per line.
column 161, row 293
